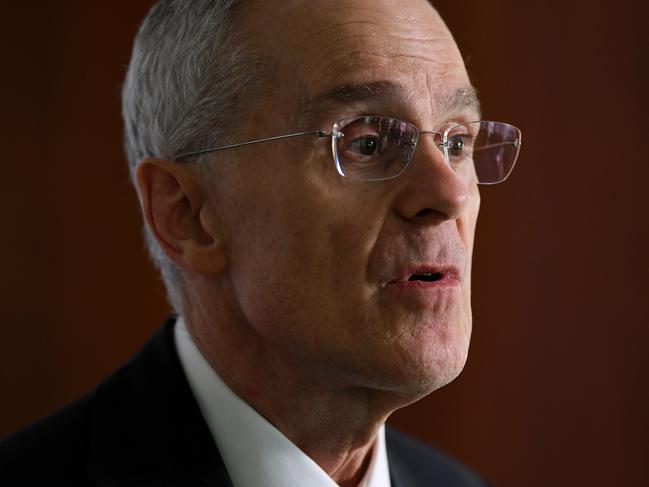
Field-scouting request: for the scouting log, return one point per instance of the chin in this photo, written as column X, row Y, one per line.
column 446, row 370
column 412, row 376
column 431, row 361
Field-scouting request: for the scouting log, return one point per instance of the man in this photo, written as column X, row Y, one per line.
column 316, row 246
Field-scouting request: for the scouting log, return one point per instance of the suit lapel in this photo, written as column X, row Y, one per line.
column 147, row 429
column 400, row 476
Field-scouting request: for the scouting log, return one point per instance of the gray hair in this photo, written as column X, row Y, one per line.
column 189, row 72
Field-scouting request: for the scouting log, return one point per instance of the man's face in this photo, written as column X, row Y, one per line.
column 319, row 264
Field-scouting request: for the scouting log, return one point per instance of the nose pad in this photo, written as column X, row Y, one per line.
column 410, row 146
column 438, row 151
column 408, row 151
column 443, row 148
column 434, row 140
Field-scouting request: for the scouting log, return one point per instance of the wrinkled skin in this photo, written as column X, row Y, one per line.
column 311, row 252
column 302, row 319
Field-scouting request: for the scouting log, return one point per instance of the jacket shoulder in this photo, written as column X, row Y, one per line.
column 414, row 463
column 53, row 447
column 140, row 426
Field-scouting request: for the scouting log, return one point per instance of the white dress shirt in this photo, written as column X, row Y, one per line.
column 255, row 453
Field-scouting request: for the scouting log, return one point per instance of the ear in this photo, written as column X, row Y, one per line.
column 174, row 206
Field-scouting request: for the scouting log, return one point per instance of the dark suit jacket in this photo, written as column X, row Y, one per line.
column 142, row 427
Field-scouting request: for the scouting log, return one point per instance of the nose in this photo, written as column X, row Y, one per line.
column 431, row 189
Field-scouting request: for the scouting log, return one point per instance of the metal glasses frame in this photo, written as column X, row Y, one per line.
column 335, row 134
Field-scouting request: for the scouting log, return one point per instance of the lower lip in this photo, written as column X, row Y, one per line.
column 429, row 295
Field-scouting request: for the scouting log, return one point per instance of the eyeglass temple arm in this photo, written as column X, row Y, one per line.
column 186, row 155
column 516, row 143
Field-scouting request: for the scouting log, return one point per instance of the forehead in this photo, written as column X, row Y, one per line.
column 357, row 51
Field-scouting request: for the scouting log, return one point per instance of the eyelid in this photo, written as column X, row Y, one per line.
column 467, row 131
column 454, row 123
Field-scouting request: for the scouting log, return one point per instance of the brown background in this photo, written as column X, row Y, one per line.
column 555, row 391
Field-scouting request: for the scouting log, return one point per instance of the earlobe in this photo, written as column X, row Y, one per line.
column 175, row 209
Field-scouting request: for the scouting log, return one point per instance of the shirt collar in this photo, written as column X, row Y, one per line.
column 254, row 451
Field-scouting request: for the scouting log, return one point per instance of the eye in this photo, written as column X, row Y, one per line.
column 374, row 148
column 367, row 145
column 460, row 145
column 456, row 145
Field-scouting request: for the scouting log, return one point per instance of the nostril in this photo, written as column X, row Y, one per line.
column 424, row 212
column 428, row 212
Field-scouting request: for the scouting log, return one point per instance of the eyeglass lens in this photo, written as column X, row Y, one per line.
column 376, row 148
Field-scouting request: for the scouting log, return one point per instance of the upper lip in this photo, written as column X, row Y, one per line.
column 447, row 272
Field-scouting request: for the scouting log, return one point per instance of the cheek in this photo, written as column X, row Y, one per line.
column 298, row 258
column 467, row 224
column 467, row 231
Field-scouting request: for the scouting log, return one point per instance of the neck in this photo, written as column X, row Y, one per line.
column 331, row 420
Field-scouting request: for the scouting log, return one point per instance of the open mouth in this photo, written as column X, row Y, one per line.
column 426, row 277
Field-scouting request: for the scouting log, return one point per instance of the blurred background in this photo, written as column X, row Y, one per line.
column 556, row 388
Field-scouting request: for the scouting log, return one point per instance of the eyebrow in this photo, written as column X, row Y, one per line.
column 354, row 94
column 461, row 98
